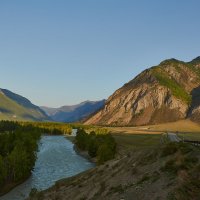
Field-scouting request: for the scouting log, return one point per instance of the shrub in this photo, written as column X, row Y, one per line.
column 169, row 149
column 102, row 146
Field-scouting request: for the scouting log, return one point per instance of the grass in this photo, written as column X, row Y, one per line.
column 190, row 136
column 12, row 108
column 180, row 126
column 137, row 141
column 133, row 130
column 171, row 168
column 170, row 83
column 195, row 70
column 180, row 162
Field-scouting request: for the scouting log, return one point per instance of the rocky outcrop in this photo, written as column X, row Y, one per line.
column 163, row 93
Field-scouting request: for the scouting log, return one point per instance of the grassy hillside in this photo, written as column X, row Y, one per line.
column 170, row 83
column 12, row 110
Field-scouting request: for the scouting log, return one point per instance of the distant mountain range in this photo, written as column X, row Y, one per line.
column 73, row 113
column 167, row 92
column 164, row 93
column 16, row 107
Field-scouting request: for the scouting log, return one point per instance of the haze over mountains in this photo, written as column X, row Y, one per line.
column 74, row 113
column 167, row 92
column 16, row 107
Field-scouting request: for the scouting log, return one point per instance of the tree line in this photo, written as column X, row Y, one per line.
column 18, row 147
column 51, row 128
column 101, row 146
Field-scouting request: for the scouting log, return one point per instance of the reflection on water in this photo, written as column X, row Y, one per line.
column 56, row 160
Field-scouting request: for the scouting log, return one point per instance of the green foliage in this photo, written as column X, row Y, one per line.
column 102, row 146
column 12, row 110
column 93, row 145
column 169, row 149
column 18, row 146
column 82, row 139
column 104, row 153
column 51, row 128
column 173, row 147
column 196, row 70
column 3, row 171
column 170, row 83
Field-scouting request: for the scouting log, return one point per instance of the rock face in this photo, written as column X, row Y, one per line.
column 164, row 93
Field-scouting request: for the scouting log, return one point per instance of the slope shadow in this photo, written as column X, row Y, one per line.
column 195, row 100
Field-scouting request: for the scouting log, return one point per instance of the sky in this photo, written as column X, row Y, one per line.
column 63, row 52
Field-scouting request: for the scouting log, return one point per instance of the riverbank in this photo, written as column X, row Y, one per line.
column 56, row 159
column 84, row 154
column 17, row 158
column 79, row 151
column 136, row 173
column 7, row 188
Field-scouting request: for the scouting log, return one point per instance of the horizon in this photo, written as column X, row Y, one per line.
column 88, row 100
column 64, row 52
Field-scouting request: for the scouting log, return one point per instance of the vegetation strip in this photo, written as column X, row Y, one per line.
column 101, row 146
column 18, row 147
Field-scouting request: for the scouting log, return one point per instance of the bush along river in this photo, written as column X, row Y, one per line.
column 56, row 159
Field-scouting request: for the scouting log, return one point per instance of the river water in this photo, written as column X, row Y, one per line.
column 56, row 160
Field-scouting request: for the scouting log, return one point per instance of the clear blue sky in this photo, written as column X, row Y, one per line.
column 58, row 52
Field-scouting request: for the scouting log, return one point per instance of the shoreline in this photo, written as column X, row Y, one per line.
column 80, row 152
column 9, row 187
column 84, row 154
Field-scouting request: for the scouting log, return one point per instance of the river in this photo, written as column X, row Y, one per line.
column 56, row 159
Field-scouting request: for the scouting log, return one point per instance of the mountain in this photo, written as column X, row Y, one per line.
column 16, row 107
column 167, row 92
column 74, row 113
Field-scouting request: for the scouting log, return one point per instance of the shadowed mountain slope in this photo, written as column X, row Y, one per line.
column 74, row 113
column 16, row 107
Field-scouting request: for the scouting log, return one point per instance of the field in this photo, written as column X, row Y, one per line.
column 180, row 126
column 132, row 138
column 190, row 136
column 132, row 142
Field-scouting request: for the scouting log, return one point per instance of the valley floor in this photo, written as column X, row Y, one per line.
column 182, row 126
column 144, row 168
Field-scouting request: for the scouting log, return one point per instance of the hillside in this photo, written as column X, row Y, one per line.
column 143, row 168
column 16, row 107
column 164, row 93
column 74, row 113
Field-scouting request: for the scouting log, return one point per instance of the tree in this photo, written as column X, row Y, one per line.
column 2, row 171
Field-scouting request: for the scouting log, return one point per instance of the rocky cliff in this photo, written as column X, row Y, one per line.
column 163, row 93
